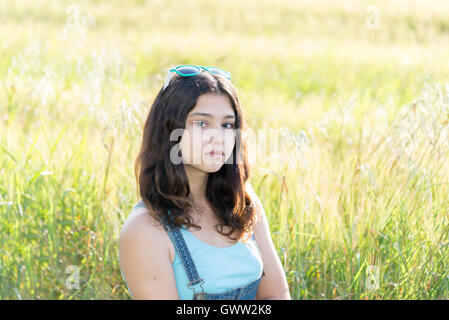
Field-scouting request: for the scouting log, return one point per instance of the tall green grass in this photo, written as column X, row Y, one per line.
column 356, row 192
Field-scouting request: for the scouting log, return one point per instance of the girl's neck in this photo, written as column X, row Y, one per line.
column 197, row 183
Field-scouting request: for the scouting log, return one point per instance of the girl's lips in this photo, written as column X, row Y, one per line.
column 216, row 154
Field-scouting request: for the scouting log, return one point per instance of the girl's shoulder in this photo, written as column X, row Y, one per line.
column 141, row 220
column 142, row 215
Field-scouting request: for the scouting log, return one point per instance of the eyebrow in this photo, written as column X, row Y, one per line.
column 209, row 115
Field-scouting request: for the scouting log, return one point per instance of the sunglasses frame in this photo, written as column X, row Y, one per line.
column 199, row 68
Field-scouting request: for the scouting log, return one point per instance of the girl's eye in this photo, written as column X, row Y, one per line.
column 199, row 122
column 230, row 125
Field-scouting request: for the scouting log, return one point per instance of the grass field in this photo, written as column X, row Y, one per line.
column 356, row 195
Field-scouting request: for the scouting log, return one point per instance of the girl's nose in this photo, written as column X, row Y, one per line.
column 216, row 135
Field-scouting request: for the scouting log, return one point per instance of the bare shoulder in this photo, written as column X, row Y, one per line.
column 142, row 217
column 144, row 256
column 142, row 225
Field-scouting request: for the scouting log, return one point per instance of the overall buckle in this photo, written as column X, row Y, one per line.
column 198, row 295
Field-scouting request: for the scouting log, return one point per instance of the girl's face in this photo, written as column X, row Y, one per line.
column 210, row 127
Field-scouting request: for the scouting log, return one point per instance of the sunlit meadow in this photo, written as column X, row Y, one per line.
column 357, row 195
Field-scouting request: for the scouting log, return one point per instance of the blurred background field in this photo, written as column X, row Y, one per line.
column 356, row 194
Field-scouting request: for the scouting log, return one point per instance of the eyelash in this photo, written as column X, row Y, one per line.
column 232, row 125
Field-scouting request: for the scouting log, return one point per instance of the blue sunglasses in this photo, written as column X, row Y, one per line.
column 187, row 70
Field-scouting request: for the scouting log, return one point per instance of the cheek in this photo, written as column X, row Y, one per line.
column 229, row 143
column 189, row 145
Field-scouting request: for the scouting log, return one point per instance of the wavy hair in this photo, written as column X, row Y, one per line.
column 163, row 185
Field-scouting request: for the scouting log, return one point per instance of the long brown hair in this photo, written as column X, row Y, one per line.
column 163, row 185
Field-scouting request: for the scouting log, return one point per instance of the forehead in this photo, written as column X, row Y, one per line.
column 217, row 105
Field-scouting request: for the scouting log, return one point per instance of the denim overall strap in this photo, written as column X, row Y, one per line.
column 184, row 254
column 254, row 238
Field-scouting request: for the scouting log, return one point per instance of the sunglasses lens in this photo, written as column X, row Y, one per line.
column 187, row 70
column 219, row 71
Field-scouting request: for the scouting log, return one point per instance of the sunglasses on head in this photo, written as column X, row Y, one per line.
column 187, row 70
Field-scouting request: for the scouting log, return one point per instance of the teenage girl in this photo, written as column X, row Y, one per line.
column 192, row 235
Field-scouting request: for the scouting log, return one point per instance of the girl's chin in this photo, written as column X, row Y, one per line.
column 206, row 167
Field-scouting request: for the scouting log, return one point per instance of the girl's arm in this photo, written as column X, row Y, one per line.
column 273, row 285
column 145, row 260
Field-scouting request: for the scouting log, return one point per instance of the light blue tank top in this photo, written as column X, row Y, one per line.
column 221, row 268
